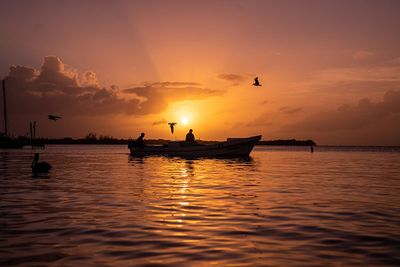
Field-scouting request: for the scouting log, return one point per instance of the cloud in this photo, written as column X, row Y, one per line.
column 90, row 79
column 353, row 117
column 360, row 74
column 176, row 84
column 274, row 116
column 290, row 110
column 363, row 55
column 56, row 88
column 360, row 87
column 396, row 60
column 259, row 122
column 264, row 119
column 162, row 121
column 158, row 95
column 234, row 78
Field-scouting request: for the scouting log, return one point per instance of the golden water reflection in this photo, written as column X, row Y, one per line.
column 99, row 206
column 192, row 194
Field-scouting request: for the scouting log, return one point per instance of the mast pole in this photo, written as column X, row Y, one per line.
column 31, row 132
column 5, row 107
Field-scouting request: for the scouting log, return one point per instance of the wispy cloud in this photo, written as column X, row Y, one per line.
column 157, row 96
column 236, row 79
column 290, row 110
column 363, row 55
column 159, row 122
column 336, row 82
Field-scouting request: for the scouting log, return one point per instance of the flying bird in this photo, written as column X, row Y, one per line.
column 256, row 82
column 39, row 167
column 54, row 117
column 172, row 125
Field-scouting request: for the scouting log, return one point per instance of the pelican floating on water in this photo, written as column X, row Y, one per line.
column 40, row 167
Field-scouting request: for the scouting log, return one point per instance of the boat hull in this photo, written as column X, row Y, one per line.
column 234, row 147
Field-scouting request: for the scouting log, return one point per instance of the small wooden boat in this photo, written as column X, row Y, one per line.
column 233, row 147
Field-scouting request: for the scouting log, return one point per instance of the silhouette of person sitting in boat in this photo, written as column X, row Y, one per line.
column 190, row 137
column 256, row 82
column 140, row 141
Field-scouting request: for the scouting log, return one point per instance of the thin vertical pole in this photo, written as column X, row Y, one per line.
column 31, row 131
column 34, row 131
column 5, row 107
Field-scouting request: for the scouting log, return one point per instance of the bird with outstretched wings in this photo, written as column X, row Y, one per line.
column 172, row 125
column 53, row 117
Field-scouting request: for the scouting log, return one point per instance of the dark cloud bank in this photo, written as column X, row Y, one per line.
column 56, row 89
column 366, row 123
column 84, row 104
column 347, row 117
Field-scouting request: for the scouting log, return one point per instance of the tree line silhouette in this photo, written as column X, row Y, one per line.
column 94, row 138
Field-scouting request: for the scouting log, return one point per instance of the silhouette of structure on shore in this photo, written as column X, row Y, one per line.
column 5, row 108
column 35, row 143
column 288, row 142
column 5, row 140
column 109, row 140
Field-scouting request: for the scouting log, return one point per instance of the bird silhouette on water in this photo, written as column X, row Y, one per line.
column 39, row 167
column 53, row 117
column 256, row 82
column 172, row 125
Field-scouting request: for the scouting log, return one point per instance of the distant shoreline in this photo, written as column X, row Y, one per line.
column 114, row 141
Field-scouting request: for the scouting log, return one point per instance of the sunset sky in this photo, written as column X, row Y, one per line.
column 330, row 70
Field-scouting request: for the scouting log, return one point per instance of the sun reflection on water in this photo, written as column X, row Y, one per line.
column 179, row 212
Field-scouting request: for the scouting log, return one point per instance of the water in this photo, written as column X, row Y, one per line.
column 284, row 206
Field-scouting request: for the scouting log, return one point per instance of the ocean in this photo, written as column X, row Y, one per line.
column 283, row 206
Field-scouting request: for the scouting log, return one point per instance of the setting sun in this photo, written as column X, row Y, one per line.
column 184, row 121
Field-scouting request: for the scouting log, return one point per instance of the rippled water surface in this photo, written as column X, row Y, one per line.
column 99, row 207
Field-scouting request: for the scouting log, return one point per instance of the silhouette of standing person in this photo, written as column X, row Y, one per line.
column 190, row 137
column 140, row 141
